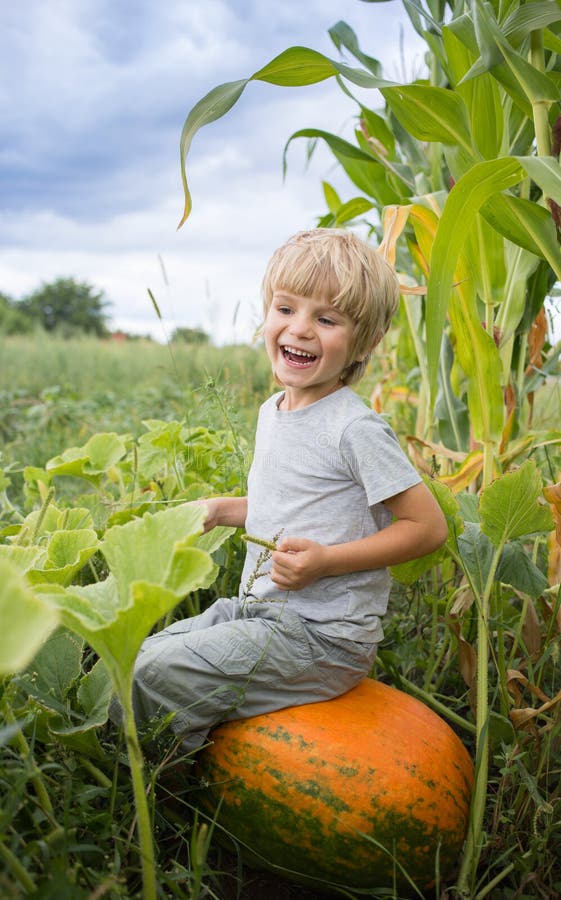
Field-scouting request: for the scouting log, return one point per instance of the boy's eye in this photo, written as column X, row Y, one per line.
column 325, row 320
column 284, row 310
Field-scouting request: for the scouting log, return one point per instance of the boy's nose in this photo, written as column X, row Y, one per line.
column 301, row 326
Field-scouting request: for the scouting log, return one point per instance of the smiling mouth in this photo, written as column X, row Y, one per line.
column 298, row 357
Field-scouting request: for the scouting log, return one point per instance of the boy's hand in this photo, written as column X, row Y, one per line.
column 297, row 562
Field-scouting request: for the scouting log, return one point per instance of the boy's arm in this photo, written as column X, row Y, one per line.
column 224, row 511
column 418, row 529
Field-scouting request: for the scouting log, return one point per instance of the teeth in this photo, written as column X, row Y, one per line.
column 296, row 352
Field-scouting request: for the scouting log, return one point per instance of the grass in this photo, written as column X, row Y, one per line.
column 67, row 820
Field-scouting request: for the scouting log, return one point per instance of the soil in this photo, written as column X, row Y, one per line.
column 260, row 885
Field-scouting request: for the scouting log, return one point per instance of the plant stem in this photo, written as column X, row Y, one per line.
column 540, row 107
column 472, row 848
column 494, row 882
column 17, row 869
column 136, row 762
column 488, row 459
column 443, row 710
column 262, row 543
column 25, row 750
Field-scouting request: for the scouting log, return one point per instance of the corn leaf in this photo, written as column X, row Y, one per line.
column 343, row 35
column 295, row 67
column 546, row 172
column 431, row 113
column 526, row 224
column 458, row 216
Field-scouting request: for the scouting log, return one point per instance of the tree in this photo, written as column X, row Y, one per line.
column 68, row 306
column 190, row 336
column 12, row 319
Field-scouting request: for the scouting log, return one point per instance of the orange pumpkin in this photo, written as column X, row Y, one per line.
column 355, row 791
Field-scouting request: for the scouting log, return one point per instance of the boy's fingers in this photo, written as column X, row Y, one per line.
column 293, row 544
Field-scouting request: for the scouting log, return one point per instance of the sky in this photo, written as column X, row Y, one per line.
column 93, row 97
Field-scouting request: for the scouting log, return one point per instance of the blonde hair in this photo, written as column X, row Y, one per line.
column 336, row 265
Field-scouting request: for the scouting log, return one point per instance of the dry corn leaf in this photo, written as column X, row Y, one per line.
column 467, row 656
column 394, row 220
column 531, row 631
column 396, row 394
column 463, row 601
column 515, row 678
column 536, row 339
column 552, row 493
column 521, row 718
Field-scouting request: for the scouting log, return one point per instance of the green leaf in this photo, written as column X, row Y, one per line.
column 409, row 572
column 450, row 412
column 343, row 36
column 509, row 507
column 295, row 67
column 431, row 113
column 353, row 208
column 23, row 558
column 458, row 216
column 116, row 635
column 211, row 107
column 520, row 266
column 142, row 550
column 546, row 172
column 153, row 563
column 479, row 358
column 98, row 455
column 67, row 553
column 476, row 552
column 526, row 224
column 331, row 197
column 343, row 149
column 94, row 694
column 54, row 672
column 27, row 620
column 517, row 569
column 529, row 17
column 495, row 49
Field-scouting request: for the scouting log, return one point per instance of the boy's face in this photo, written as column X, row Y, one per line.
column 308, row 342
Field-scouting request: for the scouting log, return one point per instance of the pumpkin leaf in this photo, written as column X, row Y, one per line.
column 409, row 572
column 54, row 671
column 477, row 553
column 517, row 569
column 510, row 507
column 26, row 620
column 96, row 456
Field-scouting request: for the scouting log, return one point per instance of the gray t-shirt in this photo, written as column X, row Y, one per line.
column 322, row 472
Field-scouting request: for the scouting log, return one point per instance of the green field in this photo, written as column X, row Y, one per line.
column 175, row 423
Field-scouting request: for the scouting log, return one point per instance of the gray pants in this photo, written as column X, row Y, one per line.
column 237, row 660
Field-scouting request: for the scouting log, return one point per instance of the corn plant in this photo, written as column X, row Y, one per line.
column 459, row 174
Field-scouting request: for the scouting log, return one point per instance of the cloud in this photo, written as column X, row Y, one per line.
column 94, row 98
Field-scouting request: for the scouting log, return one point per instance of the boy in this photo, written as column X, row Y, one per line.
column 329, row 484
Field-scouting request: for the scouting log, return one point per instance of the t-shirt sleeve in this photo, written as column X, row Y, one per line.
column 375, row 459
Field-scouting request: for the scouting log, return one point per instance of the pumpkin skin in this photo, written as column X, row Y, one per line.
column 316, row 789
